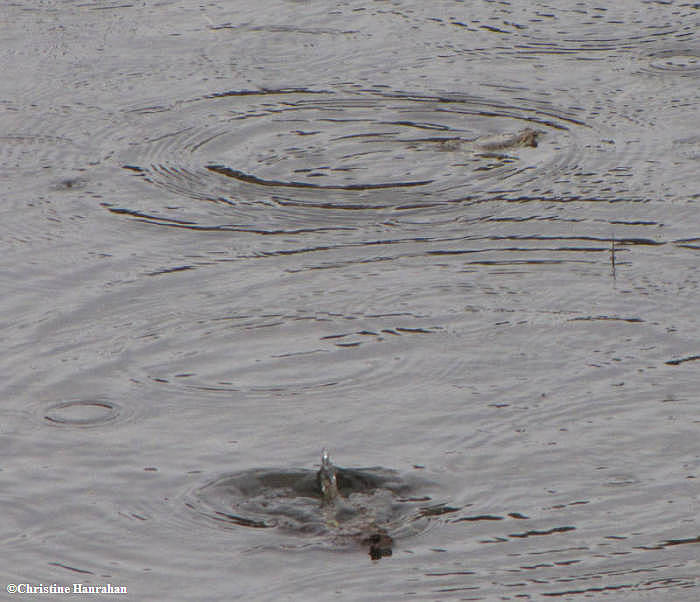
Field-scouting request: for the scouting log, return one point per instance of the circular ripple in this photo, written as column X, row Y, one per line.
column 22, row 150
column 312, row 147
column 65, row 141
column 278, row 160
column 82, row 413
column 12, row 422
column 688, row 148
column 572, row 27
column 677, row 62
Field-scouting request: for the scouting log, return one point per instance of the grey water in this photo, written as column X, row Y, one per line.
column 233, row 233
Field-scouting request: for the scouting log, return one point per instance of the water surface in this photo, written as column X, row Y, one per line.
column 231, row 236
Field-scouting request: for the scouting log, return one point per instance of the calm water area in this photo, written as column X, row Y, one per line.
column 233, row 233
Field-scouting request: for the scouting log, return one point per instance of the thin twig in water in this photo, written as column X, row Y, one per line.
column 612, row 257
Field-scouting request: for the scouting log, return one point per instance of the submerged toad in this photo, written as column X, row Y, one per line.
column 344, row 516
column 485, row 144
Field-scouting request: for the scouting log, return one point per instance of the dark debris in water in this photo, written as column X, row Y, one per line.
column 437, row 510
column 242, row 521
column 679, row 542
column 546, row 532
column 682, row 360
column 241, row 176
column 480, row 517
column 71, row 568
